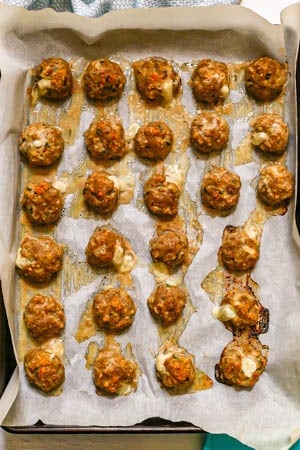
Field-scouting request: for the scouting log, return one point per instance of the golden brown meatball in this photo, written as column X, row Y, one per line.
column 161, row 196
column 265, row 78
column 270, row 133
column 210, row 81
column 175, row 366
column 39, row 258
column 103, row 80
column 239, row 251
column 53, row 79
column 170, row 247
column 44, row 369
column 101, row 247
column 156, row 80
column 209, row 132
column 220, row 189
column 105, row 139
column 114, row 309
column 113, row 373
column 242, row 362
column 42, row 202
column 153, row 141
column 275, row 185
column 41, row 145
column 101, row 193
column 44, row 317
column 166, row 303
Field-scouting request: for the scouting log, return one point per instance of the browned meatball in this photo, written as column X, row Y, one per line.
column 175, row 366
column 239, row 251
column 53, row 79
column 265, row 78
column 210, row 81
column 113, row 373
column 275, row 185
column 101, row 193
column 209, row 132
column 44, row 317
column 39, row 258
column 41, row 145
column 44, row 369
column 220, row 189
column 103, row 80
column 156, row 80
column 101, row 247
column 114, row 309
column 153, row 141
column 270, row 133
column 161, row 196
column 166, row 303
column 242, row 362
column 105, row 139
column 170, row 247
column 42, row 202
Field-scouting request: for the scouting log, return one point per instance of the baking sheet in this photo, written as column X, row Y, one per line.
column 263, row 417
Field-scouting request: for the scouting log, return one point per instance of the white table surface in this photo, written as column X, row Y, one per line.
column 271, row 11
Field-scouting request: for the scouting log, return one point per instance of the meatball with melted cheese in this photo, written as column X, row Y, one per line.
column 156, row 80
column 101, row 193
column 39, row 258
column 44, row 317
column 101, row 247
column 210, row 81
column 239, row 250
column 114, row 309
column 161, row 196
column 175, row 366
column 105, row 139
column 270, row 133
column 275, row 185
column 169, row 247
column 53, row 79
column 220, row 189
column 209, row 133
column 41, row 145
column 42, row 202
column 44, row 369
column 166, row 303
column 103, row 80
column 153, row 141
column 265, row 78
column 242, row 362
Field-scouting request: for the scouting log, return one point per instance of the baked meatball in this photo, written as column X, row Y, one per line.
column 42, row 202
column 153, row 141
column 41, row 145
column 239, row 251
column 101, row 193
column 270, row 133
column 53, row 79
column 44, row 369
column 103, row 80
column 209, row 133
column 105, row 139
column 242, row 361
column 156, row 80
column 113, row 373
column 275, row 185
column 220, row 189
column 170, row 247
column 265, row 78
column 114, row 309
column 210, row 81
column 102, row 246
column 175, row 366
column 161, row 196
column 39, row 258
column 44, row 317
column 166, row 303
